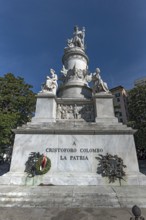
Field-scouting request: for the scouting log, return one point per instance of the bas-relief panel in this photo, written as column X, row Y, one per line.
column 85, row 112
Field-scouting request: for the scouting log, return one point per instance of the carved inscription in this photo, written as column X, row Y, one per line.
column 74, row 150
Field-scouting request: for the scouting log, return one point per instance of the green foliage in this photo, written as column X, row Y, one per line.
column 7, row 122
column 137, row 114
column 17, row 103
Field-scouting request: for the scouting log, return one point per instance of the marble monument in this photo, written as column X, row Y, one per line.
column 74, row 122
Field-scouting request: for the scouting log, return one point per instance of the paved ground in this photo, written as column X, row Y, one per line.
column 66, row 214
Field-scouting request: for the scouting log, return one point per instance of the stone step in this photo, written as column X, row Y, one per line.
column 56, row 196
column 72, row 196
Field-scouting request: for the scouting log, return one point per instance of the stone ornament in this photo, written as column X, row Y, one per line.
column 78, row 38
column 64, row 71
column 50, row 86
column 99, row 85
column 85, row 112
column 74, row 74
column 137, row 213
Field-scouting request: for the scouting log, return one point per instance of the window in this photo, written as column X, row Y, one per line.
column 120, row 113
column 117, row 94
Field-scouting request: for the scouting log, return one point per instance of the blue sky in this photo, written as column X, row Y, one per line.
column 33, row 34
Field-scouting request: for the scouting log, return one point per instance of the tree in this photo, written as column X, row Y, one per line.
column 17, row 103
column 137, row 114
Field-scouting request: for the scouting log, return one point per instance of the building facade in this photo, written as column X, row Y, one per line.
column 120, row 103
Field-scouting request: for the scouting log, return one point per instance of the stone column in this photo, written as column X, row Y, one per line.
column 45, row 108
column 104, row 109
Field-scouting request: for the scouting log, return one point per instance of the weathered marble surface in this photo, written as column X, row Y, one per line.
column 104, row 110
column 73, row 168
column 73, row 197
column 75, row 126
column 45, row 108
column 75, row 56
column 122, row 145
column 70, row 91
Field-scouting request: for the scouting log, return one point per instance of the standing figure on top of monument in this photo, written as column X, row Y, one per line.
column 99, row 85
column 51, row 83
column 78, row 38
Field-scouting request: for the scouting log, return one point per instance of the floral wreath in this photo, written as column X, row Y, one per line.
column 111, row 166
column 43, row 165
column 37, row 164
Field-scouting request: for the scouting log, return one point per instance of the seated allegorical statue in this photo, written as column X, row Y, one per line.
column 99, row 85
column 51, row 83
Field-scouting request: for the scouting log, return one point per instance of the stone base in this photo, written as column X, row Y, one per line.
column 71, row 179
column 107, row 120
column 45, row 108
column 73, row 149
column 72, row 91
column 73, row 197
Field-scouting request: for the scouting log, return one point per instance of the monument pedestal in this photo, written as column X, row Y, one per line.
column 72, row 149
column 45, row 108
column 73, row 129
column 104, row 110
